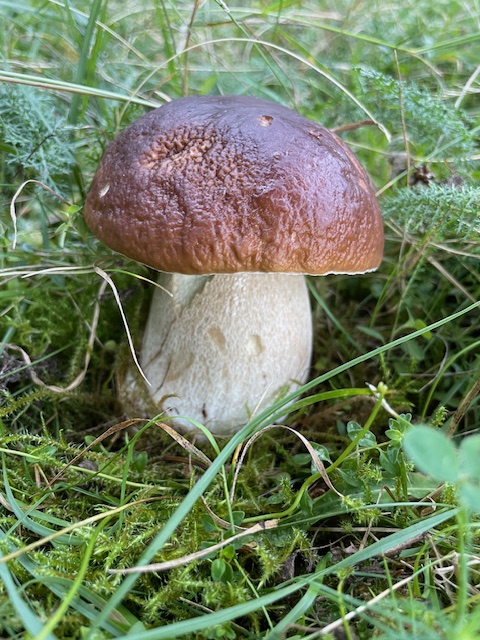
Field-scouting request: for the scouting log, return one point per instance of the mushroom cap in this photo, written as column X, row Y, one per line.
column 224, row 184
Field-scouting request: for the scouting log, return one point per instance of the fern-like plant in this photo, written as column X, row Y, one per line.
column 443, row 211
column 435, row 129
column 34, row 137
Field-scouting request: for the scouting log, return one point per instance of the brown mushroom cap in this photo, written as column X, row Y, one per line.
column 227, row 184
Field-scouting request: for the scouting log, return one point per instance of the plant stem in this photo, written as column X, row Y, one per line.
column 359, row 435
column 57, row 617
column 464, row 539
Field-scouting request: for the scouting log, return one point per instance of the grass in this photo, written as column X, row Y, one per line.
column 341, row 521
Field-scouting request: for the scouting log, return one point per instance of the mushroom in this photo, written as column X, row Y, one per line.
column 234, row 199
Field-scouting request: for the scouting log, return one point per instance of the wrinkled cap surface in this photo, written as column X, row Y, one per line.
column 212, row 184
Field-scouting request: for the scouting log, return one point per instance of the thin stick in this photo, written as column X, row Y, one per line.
column 354, row 125
column 106, row 277
column 462, row 408
column 198, row 555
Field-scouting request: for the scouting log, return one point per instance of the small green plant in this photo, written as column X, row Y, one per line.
column 435, row 129
column 436, row 455
column 456, row 212
column 34, row 132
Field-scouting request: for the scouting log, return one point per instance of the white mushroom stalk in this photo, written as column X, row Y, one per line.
column 224, row 347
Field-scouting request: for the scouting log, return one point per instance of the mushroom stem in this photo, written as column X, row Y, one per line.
column 225, row 346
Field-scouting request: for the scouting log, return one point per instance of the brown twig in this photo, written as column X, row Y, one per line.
column 462, row 408
column 354, row 125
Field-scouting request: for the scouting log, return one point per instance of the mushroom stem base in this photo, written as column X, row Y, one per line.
column 221, row 348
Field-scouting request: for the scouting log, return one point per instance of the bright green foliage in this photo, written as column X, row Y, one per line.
column 435, row 129
column 367, row 440
column 433, row 453
column 436, row 455
column 397, row 428
column 441, row 212
column 35, row 136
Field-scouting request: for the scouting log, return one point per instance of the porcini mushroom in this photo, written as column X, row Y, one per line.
column 236, row 199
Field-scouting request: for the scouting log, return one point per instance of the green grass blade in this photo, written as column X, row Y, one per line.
column 72, row 593
column 85, row 601
column 24, row 518
column 29, row 619
column 86, row 61
column 373, row 550
column 70, row 87
column 199, row 623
